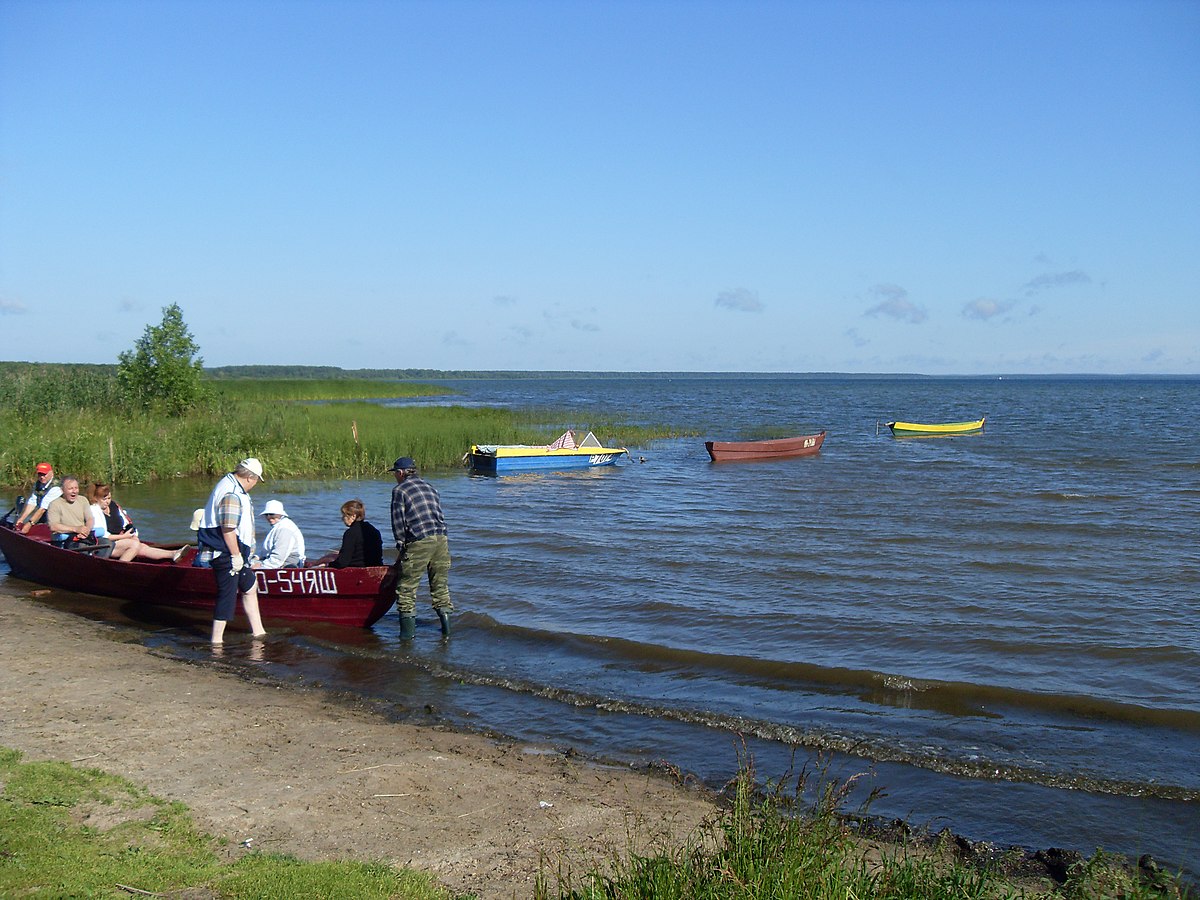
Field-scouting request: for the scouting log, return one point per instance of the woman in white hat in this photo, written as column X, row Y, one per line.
column 284, row 544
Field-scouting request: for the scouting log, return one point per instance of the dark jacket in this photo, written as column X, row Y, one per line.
column 362, row 545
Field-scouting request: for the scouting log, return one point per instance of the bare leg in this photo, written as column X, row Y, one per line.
column 128, row 549
column 250, row 604
column 218, row 631
column 148, row 552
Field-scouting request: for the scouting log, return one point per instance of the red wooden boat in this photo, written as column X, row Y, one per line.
column 780, row 448
column 356, row 596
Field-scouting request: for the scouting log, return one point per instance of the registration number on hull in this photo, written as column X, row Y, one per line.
column 296, row 581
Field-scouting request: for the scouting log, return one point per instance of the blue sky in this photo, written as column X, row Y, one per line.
column 938, row 187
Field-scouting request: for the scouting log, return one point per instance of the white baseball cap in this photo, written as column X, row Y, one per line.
column 273, row 508
column 254, row 466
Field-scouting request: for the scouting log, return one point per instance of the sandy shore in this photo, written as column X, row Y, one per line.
column 289, row 770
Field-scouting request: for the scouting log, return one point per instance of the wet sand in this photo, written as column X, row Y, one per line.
column 290, row 770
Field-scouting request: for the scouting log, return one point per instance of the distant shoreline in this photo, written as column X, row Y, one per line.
column 301, row 372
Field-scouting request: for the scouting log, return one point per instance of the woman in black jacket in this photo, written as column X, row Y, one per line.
column 362, row 544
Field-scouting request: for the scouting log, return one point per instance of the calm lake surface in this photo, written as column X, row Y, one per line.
column 1000, row 629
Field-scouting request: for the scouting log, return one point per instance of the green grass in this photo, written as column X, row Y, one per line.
column 73, row 832
column 271, row 389
column 768, row 845
column 70, row 832
column 69, row 416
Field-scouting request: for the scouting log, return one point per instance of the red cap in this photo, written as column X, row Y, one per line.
column 45, row 468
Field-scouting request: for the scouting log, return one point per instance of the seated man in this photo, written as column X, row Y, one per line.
column 70, row 518
column 284, row 544
column 45, row 491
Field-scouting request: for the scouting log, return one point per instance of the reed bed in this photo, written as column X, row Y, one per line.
column 270, row 389
column 83, row 429
column 31, row 392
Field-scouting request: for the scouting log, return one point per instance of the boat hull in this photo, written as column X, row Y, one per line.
column 918, row 429
column 356, row 597
column 505, row 460
column 780, row 448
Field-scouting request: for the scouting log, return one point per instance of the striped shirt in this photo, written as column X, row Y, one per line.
column 416, row 511
column 229, row 514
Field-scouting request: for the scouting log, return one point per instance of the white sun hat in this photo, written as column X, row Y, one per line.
column 273, row 508
column 254, row 466
column 197, row 518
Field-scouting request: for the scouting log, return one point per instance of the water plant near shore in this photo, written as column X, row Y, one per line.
column 83, row 429
column 772, row 843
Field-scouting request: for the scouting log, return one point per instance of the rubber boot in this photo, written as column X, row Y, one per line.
column 444, row 618
column 408, row 627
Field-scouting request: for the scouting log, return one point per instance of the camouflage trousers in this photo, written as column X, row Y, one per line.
column 430, row 555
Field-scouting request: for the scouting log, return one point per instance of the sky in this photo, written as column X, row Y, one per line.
column 911, row 186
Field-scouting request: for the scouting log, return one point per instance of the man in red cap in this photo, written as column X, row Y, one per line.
column 45, row 491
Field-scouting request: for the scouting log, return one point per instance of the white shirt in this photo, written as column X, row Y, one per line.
column 283, row 545
column 49, row 497
column 100, row 523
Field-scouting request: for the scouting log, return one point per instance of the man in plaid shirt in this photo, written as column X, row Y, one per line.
column 420, row 531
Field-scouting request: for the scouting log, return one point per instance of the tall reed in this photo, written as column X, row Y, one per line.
column 271, row 389
column 339, row 439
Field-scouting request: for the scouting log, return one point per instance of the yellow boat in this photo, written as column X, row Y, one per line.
column 914, row 429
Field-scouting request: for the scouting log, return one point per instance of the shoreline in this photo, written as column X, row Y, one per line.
column 285, row 769
column 294, row 769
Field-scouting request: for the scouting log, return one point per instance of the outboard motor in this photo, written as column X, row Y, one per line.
column 16, row 508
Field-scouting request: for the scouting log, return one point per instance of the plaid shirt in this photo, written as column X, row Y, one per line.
column 416, row 511
column 229, row 514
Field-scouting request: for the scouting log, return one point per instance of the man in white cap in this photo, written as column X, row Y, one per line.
column 284, row 544
column 226, row 539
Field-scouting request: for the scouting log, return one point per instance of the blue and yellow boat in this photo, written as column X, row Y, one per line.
column 565, row 453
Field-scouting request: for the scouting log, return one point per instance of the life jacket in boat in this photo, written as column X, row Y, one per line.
column 210, row 536
column 40, row 490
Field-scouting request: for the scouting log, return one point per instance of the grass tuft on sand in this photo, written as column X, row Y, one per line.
column 774, row 843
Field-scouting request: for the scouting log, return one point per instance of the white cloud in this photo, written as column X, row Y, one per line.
column 740, row 299
column 985, row 308
column 895, row 304
column 1056, row 280
column 12, row 308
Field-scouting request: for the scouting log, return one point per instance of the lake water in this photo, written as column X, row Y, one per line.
column 1000, row 629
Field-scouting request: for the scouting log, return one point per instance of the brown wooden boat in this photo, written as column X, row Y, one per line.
column 353, row 596
column 780, row 448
